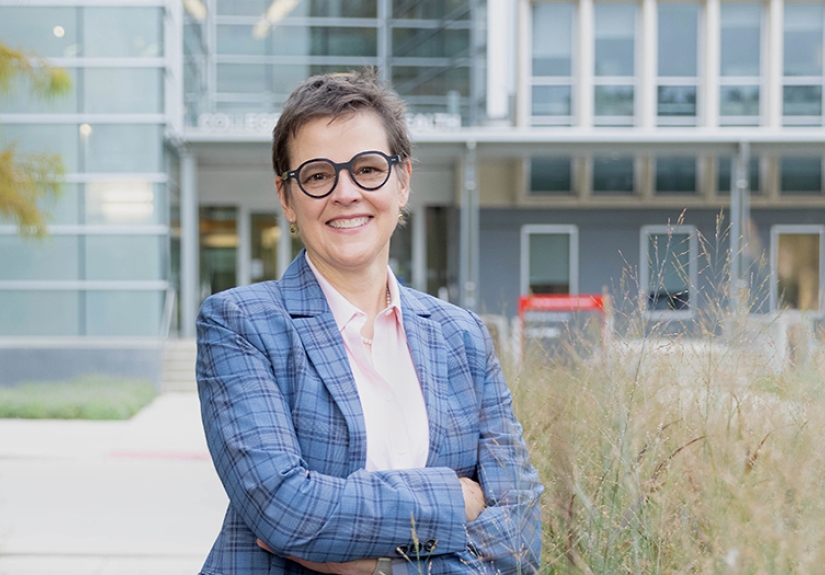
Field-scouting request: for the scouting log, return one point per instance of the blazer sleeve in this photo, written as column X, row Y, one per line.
column 506, row 537
column 296, row 510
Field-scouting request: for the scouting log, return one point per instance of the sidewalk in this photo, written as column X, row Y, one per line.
column 109, row 498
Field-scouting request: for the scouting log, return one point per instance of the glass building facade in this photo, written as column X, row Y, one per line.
column 576, row 124
column 104, row 269
column 246, row 56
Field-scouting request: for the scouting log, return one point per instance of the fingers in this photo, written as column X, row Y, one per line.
column 473, row 498
column 263, row 546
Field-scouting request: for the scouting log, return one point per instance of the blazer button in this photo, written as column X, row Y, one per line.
column 430, row 545
column 402, row 550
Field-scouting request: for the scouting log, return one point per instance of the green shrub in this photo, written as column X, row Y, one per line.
column 90, row 397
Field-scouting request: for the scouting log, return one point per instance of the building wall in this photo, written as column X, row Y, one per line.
column 609, row 250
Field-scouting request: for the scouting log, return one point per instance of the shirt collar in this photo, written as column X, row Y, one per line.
column 342, row 310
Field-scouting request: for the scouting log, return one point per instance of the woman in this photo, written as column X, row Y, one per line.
column 358, row 426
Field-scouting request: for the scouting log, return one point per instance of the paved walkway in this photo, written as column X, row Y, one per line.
column 109, row 498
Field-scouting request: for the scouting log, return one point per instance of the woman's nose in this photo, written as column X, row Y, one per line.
column 346, row 189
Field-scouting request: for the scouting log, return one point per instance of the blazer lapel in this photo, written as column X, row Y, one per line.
column 324, row 347
column 430, row 358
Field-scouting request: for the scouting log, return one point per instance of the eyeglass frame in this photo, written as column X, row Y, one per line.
column 391, row 161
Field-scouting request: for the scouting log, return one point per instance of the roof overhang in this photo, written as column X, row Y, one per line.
column 516, row 143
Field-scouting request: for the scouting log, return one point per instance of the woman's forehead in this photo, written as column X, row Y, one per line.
column 344, row 135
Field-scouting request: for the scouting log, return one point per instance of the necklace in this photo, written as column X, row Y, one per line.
column 368, row 340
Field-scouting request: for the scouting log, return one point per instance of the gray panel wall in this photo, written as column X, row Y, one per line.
column 609, row 248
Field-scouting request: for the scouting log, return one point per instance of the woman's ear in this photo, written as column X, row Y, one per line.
column 283, row 196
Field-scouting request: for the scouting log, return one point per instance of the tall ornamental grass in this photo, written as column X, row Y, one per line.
column 687, row 454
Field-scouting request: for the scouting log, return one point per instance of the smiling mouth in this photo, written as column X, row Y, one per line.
column 347, row 223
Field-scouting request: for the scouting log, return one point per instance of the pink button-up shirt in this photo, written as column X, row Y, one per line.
column 391, row 398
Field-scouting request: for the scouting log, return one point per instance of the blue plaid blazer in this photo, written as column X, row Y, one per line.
column 284, row 426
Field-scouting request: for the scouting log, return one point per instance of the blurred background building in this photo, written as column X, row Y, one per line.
column 562, row 147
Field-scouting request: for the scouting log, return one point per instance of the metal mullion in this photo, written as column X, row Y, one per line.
column 86, row 3
column 83, row 118
column 433, row 62
column 551, row 81
column 677, row 81
column 433, row 24
column 302, row 22
column 83, row 286
column 384, row 39
column 79, row 177
column 95, row 230
column 119, row 62
column 296, row 60
column 614, row 81
column 210, row 39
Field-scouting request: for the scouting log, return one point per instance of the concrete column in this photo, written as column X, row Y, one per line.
column 586, row 50
column 243, row 264
column 774, row 55
column 710, row 80
column 189, row 243
column 499, row 61
column 384, row 40
column 468, row 238
column 284, row 245
column 419, row 247
column 739, row 218
column 525, row 58
column 647, row 67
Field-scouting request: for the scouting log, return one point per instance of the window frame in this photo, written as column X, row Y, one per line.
column 760, row 81
column 527, row 170
column 556, row 81
column 790, row 229
column 693, row 270
column 695, row 193
column 803, row 81
column 637, row 175
column 633, row 81
column 683, row 81
column 548, row 229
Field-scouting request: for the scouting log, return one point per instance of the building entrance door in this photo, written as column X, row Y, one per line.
column 218, row 249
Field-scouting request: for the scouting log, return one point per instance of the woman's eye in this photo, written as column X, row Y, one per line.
column 316, row 177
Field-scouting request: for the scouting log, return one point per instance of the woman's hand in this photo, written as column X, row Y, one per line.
column 357, row 567
column 473, row 498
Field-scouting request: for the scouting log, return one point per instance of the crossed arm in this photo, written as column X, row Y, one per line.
column 473, row 506
column 333, row 523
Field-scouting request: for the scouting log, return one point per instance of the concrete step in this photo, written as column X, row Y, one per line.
column 178, row 368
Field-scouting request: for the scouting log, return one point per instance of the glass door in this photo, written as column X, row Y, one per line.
column 218, row 249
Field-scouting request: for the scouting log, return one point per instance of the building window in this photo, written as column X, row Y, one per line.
column 797, row 254
column 668, row 269
column 678, row 33
column 676, row 175
column 552, row 83
column 614, row 65
column 801, row 175
column 613, row 175
column 549, row 259
column 739, row 64
column 802, row 82
column 551, row 175
column 724, row 167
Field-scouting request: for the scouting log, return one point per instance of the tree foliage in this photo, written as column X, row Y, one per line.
column 27, row 179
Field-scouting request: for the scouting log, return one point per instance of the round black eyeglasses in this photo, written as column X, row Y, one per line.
column 369, row 170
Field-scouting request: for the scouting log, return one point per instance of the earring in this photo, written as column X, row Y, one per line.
column 293, row 228
column 401, row 217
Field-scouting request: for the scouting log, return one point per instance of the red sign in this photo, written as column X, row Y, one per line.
column 560, row 302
